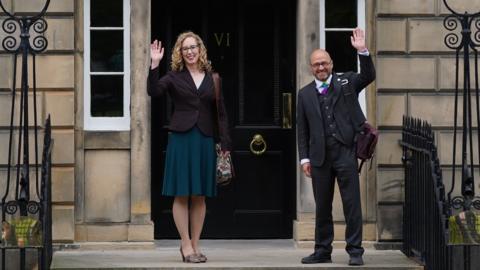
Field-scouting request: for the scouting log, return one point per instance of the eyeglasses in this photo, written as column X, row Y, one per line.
column 191, row 47
column 321, row 64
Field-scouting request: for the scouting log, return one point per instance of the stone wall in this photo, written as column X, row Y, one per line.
column 416, row 77
column 101, row 180
column 113, row 167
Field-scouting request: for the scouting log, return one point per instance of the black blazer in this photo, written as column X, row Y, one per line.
column 346, row 111
column 192, row 107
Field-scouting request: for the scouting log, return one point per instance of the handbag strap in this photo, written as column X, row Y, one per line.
column 216, row 86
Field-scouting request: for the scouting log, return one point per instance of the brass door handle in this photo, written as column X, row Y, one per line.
column 256, row 145
column 287, row 111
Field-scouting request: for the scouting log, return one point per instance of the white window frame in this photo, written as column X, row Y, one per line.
column 107, row 123
column 361, row 14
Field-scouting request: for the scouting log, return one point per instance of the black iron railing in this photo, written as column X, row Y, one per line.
column 46, row 199
column 26, row 216
column 428, row 214
column 425, row 209
column 442, row 227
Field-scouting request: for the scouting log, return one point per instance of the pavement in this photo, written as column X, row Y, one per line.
column 222, row 254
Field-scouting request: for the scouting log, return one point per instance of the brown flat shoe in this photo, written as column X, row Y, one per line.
column 192, row 258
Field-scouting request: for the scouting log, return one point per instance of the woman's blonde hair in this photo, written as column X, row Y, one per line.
column 177, row 58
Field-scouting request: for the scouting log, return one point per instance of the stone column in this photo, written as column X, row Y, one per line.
column 308, row 39
column 369, row 176
column 141, row 226
column 79, row 146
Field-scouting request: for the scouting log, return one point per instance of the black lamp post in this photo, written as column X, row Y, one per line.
column 465, row 46
column 9, row 44
column 25, row 37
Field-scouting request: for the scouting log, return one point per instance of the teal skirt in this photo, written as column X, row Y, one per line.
column 190, row 165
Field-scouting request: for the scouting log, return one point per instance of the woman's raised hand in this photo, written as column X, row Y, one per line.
column 156, row 53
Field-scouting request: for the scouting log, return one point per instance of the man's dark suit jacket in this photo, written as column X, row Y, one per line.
column 192, row 107
column 346, row 111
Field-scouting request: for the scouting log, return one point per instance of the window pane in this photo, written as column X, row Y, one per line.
column 106, row 13
column 106, row 50
column 106, row 95
column 344, row 56
column 340, row 13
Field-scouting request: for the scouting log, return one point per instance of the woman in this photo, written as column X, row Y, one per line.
column 191, row 159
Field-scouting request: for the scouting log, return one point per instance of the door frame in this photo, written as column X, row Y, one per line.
column 292, row 208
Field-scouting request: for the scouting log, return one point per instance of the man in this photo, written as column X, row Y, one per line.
column 328, row 117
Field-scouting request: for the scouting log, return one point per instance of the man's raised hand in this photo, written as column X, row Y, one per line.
column 358, row 40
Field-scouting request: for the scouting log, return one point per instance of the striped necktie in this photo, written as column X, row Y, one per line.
column 323, row 88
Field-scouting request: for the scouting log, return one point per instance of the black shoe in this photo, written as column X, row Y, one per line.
column 355, row 260
column 316, row 258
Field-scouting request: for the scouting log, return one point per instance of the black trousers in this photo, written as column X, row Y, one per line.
column 340, row 163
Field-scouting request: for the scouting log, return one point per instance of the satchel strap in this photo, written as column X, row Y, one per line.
column 361, row 165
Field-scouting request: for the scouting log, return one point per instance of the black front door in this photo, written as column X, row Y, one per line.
column 251, row 43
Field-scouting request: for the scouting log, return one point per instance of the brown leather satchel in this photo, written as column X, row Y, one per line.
column 367, row 139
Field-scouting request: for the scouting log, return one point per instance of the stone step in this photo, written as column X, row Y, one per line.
column 222, row 254
column 365, row 244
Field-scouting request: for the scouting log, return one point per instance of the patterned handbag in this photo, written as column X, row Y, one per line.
column 225, row 171
column 224, row 167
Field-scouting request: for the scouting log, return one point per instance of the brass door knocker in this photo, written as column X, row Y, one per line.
column 256, row 145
